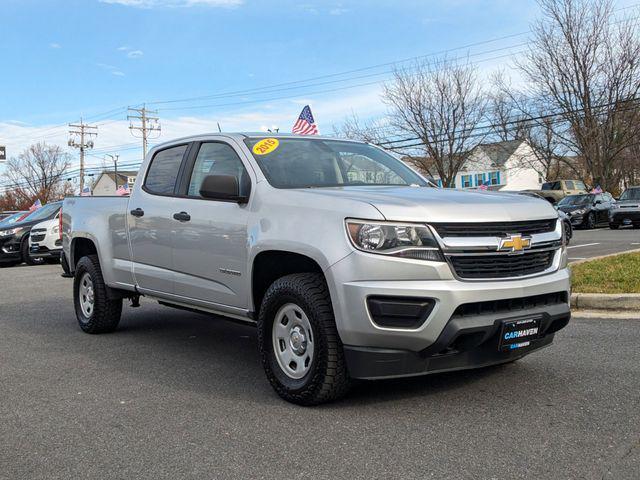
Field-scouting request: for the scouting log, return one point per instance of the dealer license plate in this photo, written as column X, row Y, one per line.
column 518, row 333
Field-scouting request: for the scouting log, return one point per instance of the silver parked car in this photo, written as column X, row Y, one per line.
column 348, row 263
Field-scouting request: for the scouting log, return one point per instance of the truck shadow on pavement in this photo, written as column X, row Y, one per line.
column 163, row 348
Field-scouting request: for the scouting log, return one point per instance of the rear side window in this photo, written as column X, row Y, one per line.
column 569, row 185
column 163, row 171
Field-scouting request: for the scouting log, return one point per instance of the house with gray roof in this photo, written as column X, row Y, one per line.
column 106, row 182
column 510, row 165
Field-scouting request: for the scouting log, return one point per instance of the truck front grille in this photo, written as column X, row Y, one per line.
column 501, row 266
column 509, row 304
column 37, row 237
column 494, row 229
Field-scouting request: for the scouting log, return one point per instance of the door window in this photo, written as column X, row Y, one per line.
column 217, row 158
column 163, row 171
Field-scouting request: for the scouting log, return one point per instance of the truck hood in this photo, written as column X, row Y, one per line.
column 420, row 204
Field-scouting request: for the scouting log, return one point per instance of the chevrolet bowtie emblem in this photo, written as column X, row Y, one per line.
column 514, row 243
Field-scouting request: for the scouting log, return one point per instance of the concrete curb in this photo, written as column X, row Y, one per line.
column 578, row 262
column 602, row 301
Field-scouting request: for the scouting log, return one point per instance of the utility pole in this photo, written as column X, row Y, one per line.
column 147, row 124
column 114, row 159
column 83, row 133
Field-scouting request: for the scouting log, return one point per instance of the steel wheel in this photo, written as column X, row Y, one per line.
column 293, row 341
column 87, row 296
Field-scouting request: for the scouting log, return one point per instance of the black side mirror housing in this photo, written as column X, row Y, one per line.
column 222, row 187
column 597, row 202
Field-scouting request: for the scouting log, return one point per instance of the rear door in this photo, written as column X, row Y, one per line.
column 211, row 247
column 151, row 223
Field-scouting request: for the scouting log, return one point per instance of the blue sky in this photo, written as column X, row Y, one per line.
column 63, row 59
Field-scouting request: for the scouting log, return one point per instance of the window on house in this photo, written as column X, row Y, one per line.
column 494, row 178
column 466, row 181
column 479, row 179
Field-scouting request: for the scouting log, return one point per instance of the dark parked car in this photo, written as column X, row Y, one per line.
column 587, row 210
column 14, row 237
column 627, row 210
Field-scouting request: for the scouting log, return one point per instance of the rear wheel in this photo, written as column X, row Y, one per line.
column 96, row 312
column 614, row 226
column 300, row 348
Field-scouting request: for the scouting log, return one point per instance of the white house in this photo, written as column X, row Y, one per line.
column 508, row 165
column 106, row 183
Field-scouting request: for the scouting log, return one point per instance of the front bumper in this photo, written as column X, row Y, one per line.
column 10, row 249
column 44, row 252
column 349, row 297
column 463, row 344
column 621, row 216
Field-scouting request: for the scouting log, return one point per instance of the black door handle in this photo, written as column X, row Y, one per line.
column 182, row 216
column 138, row 212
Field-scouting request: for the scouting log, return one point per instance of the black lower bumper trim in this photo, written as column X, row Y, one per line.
column 463, row 344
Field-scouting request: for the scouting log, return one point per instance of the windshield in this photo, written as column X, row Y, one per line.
column 631, row 194
column 12, row 218
column 312, row 162
column 551, row 186
column 576, row 200
column 43, row 212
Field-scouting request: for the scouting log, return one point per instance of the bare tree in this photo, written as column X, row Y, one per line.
column 586, row 67
column 441, row 104
column 37, row 172
column 372, row 131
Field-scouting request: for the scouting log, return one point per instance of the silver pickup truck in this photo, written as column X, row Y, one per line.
column 348, row 262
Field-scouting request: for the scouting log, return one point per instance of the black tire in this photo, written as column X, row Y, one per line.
column 105, row 314
column 590, row 222
column 636, row 225
column 327, row 378
column 614, row 226
column 52, row 260
column 26, row 258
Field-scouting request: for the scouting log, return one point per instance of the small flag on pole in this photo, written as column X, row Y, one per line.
column 123, row 190
column 36, row 205
column 305, row 125
column 86, row 192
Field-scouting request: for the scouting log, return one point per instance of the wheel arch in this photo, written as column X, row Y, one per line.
column 269, row 265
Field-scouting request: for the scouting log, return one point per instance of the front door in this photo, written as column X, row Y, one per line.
column 151, row 224
column 210, row 242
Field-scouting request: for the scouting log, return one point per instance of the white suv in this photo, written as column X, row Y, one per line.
column 45, row 241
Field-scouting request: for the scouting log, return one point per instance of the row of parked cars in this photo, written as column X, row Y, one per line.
column 590, row 210
column 31, row 237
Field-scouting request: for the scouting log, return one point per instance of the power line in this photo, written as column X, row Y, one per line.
column 147, row 124
column 80, row 130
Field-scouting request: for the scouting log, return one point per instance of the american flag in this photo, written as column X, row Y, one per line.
column 86, row 192
column 305, row 125
column 36, row 205
column 123, row 190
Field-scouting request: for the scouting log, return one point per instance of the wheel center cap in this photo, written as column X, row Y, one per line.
column 298, row 341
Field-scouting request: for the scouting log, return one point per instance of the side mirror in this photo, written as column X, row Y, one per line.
column 597, row 202
column 222, row 187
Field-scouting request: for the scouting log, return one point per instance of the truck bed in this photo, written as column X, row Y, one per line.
column 102, row 220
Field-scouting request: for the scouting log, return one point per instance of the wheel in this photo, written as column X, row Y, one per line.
column 95, row 311
column 52, row 260
column 591, row 221
column 636, row 225
column 614, row 226
column 567, row 232
column 28, row 259
column 300, row 349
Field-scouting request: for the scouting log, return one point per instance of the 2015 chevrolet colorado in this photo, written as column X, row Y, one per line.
column 348, row 262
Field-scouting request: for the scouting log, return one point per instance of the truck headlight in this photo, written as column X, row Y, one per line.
column 404, row 240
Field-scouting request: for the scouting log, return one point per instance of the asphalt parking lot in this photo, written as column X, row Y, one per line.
column 179, row 395
column 602, row 241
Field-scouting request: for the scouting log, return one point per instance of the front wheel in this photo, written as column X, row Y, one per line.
column 27, row 258
column 300, row 349
column 614, row 226
column 95, row 310
column 591, row 221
